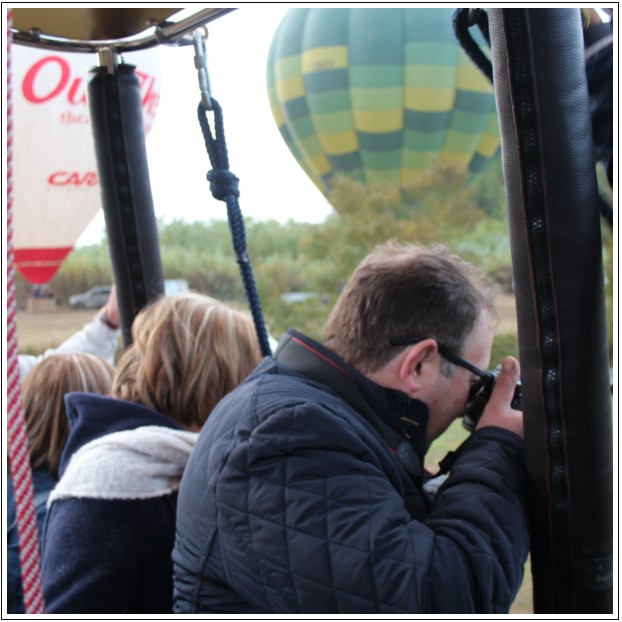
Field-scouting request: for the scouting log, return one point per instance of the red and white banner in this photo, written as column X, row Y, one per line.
column 56, row 192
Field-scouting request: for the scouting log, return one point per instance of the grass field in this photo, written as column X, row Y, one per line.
column 38, row 331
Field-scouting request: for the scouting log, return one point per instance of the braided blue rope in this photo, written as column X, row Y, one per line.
column 460, row 21
column 224, row 187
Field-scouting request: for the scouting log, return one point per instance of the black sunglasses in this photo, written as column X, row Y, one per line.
column 452, row 357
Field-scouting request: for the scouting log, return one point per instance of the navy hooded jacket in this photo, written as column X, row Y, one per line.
column 102, row 555
column 296, row 502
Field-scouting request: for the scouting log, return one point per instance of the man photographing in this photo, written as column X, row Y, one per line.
column 304, row 493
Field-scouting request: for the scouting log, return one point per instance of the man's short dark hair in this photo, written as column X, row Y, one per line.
column 403, row 290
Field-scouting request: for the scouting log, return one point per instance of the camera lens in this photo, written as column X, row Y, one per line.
column 479, row 394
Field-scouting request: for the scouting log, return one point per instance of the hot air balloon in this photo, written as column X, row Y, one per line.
column 378, row 94
column 56, row 189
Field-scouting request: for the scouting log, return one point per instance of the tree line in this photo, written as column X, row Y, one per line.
column 440, row 207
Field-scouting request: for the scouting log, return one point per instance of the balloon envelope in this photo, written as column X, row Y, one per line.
column 378, row 94
column 56, row 193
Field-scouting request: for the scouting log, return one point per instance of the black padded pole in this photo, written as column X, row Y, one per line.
column 116, row 116
column 549, row 170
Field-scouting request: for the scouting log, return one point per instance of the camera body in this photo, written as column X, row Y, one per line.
column 480, row 396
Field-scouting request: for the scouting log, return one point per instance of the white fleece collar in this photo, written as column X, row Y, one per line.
column 142, row 463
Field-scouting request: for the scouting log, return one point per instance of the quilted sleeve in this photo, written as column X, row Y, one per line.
column 479, row 520
column 311, row 521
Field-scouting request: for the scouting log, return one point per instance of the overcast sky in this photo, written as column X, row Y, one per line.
column 272, row 184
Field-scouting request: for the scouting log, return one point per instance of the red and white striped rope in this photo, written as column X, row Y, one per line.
column 17, row 440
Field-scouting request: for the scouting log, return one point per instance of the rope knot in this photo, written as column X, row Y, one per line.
column 223, row 184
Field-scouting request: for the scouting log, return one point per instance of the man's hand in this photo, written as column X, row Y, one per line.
column 498, row 411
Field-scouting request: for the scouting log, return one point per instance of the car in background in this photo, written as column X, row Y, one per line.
column 175, row 286
column 95, row 298
column 296, row 297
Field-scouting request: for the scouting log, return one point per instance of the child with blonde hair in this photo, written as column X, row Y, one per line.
column 47, row 429
column 111, row 518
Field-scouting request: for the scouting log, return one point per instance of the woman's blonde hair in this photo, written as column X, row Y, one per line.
column 188, row 352
column 44, row 392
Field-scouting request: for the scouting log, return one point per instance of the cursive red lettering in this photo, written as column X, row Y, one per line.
column 31, row 75
column 56, row 179
column 151, row 97
column 75, row 96
column 90, row 179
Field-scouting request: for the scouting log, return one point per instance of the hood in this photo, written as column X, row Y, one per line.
column 92, row 416
column 143, row 463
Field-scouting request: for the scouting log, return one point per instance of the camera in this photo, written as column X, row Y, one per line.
column 479, row 396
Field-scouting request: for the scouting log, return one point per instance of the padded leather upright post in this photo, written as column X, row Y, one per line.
column 549, row 169
column 116, row 117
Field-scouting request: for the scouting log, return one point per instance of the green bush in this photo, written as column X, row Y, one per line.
column 504, row 345
column 22, row 290
column 487, row 246
column 298, row 257
column 308, row 317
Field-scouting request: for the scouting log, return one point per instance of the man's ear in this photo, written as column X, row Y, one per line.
column 415, row 365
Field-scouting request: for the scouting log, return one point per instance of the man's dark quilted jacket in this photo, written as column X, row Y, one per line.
column 293, row 503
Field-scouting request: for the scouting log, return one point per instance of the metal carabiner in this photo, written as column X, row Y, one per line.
column 473, row 17
column 200, row 62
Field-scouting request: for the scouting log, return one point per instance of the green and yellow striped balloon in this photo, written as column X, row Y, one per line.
column 378, row 94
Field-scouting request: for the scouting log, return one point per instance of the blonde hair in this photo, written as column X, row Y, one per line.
column 44, row 392
column 188, row 352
